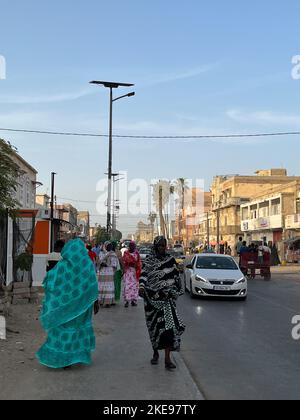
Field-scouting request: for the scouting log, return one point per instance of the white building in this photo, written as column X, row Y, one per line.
column 25, row 195
column 262, row 220
column 27, row 183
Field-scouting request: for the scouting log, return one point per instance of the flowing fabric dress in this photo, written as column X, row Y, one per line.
column 133, row 267
column 70, row 293
column 160, row 280
column 106, row 278
column 118, row 277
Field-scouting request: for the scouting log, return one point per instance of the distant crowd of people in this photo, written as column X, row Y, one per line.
column 259, row 250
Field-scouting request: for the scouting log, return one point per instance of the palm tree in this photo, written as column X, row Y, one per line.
column 161, row 195
column 181, row 188
column 152, row 217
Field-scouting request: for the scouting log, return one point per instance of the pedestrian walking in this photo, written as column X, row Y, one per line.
column 70, row 295
column 106, row 279
column 160, row 286
column 239, row 245
column 132, row 272
column 92, row 255
column 119, row 272
column 275, row 260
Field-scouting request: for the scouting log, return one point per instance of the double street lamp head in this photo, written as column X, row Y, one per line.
column 112, row 85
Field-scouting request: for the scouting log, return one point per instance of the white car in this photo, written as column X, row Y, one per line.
column 215, row 276
column 144, row 253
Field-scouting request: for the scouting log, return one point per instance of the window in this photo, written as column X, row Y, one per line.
column 276, row 207
column 216, row 263
column 245, row 213
column 253, row 212
column 264, row 209
column 298, row 206
column 27, row 193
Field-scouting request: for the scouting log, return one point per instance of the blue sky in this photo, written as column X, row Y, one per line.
column 199, row 67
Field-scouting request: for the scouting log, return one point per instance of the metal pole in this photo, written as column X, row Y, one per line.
column 52, row 211
column 208, row 231
column 110, row 155
column 218, row 230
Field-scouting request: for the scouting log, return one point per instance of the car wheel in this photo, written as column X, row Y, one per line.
column 185, row 287
column 191, row 291
column 243, row 299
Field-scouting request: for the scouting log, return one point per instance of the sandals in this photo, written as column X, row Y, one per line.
column 155, row 359
column 170, row 366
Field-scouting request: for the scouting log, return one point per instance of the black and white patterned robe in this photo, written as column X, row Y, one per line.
column 162, row 286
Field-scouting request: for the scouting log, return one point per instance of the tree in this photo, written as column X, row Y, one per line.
column 162, row 192
column 101, row 235
column 181, row 188
column 152, row 218
column 9, row 174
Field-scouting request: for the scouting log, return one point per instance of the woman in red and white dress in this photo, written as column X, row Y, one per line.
column 133, row 268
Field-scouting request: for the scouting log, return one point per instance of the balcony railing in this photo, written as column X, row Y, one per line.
column 230, row 202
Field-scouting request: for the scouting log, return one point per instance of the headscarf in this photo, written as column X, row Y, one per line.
column 132, row 247
column 130, row 258
column 156, row 243
column 71, row 288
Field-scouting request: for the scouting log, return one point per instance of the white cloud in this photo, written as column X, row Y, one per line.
column 173, row 77
column 268, row 118
column 44, row 99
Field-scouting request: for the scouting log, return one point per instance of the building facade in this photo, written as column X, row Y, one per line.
column 233, row 192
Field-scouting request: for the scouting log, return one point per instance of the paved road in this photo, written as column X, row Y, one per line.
column 237, row 350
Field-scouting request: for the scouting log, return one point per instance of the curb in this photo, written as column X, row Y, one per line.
column 187, row 378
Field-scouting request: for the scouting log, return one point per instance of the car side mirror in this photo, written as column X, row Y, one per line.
column 189, row 267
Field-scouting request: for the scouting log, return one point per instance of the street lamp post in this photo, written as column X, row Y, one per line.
column 111, row 86
column 52, row 210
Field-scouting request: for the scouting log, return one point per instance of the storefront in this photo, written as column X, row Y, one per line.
column 293, row 250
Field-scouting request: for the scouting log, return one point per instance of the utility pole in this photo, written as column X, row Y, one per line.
column 52, row 211
column 161, row 215
column 208, row 231
column 108, row 224
column 218, row 229
column 111, row 86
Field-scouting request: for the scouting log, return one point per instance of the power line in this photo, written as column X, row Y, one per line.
column 199, row 137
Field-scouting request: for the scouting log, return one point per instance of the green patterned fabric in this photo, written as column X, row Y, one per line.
column 118, row 285
column 71, row 289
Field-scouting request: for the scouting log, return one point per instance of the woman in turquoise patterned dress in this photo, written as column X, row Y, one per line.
column 71, row 290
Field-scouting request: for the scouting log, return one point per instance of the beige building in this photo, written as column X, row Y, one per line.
column 197, row 204
column 27, row 181
column 270, row 217
column 83, row 223
column 230, row 193
column 145, row 233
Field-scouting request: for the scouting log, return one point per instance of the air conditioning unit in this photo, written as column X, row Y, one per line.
column 44, row 213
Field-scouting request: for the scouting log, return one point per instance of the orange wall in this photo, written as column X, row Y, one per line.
column 41, row 238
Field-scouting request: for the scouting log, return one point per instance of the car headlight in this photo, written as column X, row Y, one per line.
column 242, row 280
column 198, row 278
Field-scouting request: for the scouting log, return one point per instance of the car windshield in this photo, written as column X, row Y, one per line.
column 216, row 263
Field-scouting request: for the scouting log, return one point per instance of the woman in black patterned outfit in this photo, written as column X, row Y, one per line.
column 160, row 287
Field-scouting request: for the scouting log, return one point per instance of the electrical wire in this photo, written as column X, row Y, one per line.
column 178, row 137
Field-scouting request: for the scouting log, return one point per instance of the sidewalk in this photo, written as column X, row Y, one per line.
column 288, row 269
column 121, row 368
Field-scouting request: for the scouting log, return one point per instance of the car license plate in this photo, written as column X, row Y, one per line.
column 222, row 288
